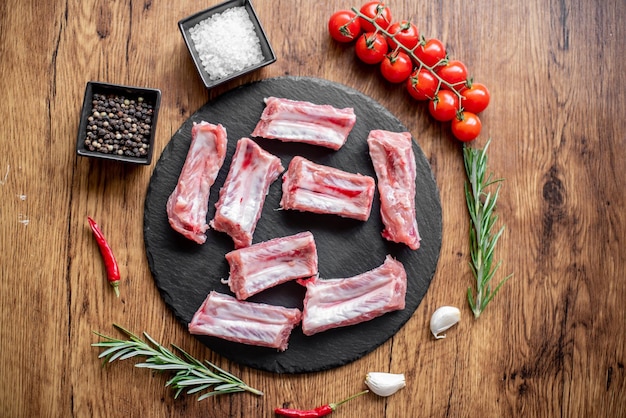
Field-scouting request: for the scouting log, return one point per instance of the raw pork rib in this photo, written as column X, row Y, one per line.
column 394, row 163
column 239, row 207
column 267, row 264
column 296, row 121
column 225, row 317
column 188, row 204
column 321, row 189
column 337, row 303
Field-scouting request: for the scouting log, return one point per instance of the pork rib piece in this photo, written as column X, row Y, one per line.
column 270, row 263
column 298, row 121
column 260, row 324
column 334, row 303
column 321, row 189
column 242, row 196
column 188, row 204
column 394, row 164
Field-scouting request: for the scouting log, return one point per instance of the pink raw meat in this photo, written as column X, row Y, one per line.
column 260, row 324
column 297, row 121
column 188, row 204
column 270, row 263
column 242, row 196
column 321, row 189
column 334, row 303
column 394, row 163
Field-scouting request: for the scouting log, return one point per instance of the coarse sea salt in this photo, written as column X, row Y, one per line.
column 227, row 43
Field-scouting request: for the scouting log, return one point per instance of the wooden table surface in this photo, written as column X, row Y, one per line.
column 552, row 342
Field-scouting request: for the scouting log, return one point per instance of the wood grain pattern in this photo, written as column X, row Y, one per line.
column 553, row 342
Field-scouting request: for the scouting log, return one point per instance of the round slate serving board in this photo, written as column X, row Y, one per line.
column 185, row 272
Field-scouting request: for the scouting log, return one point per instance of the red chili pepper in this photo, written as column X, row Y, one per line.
column 320, row 411
column 113, row 272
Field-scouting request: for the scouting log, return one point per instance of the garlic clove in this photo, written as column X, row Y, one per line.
column 442, row 319
column 385, row 384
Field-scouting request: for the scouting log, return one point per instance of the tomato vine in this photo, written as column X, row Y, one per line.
column 382, row 41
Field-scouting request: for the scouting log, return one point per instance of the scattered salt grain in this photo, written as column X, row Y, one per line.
column 227, row 43
column 6, row 175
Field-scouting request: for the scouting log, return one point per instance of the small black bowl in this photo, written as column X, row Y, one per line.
column 148, row 95
column 186, row 24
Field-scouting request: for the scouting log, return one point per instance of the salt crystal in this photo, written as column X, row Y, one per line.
column 23, row 219
column 227, row 43
column 6, row 175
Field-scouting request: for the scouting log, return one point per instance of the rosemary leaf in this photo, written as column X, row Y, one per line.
column 191, row 359
column 120, row 354
column 190, row 374
column 161, row 366
column 224, row 372
column 206, row 395
column 198, row 389
column 481, row 206
column 135, row 353
column 106, row 354
column 226, row 386
column 194, row 382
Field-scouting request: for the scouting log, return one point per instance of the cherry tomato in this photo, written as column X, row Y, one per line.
column 422, row 85
column 444, row 106
column 378, row 11
column 431, row 52
column 344, row 26
column 475, row 98
column 455, row 73
column 371, row 48
column 466, row 126
column 404, row 33
column 396, row 67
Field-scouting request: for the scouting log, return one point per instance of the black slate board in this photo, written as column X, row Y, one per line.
column 185, row 272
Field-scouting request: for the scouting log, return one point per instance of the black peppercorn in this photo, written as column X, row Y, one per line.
column 119, row 125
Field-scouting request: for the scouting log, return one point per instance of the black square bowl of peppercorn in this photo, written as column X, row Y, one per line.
column 118, row 122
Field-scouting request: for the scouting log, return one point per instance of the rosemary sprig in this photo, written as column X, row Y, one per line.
column 190, row 374
column 481, row 206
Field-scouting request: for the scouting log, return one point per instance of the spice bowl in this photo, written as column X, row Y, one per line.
column 225, row 43
column 118, row 122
